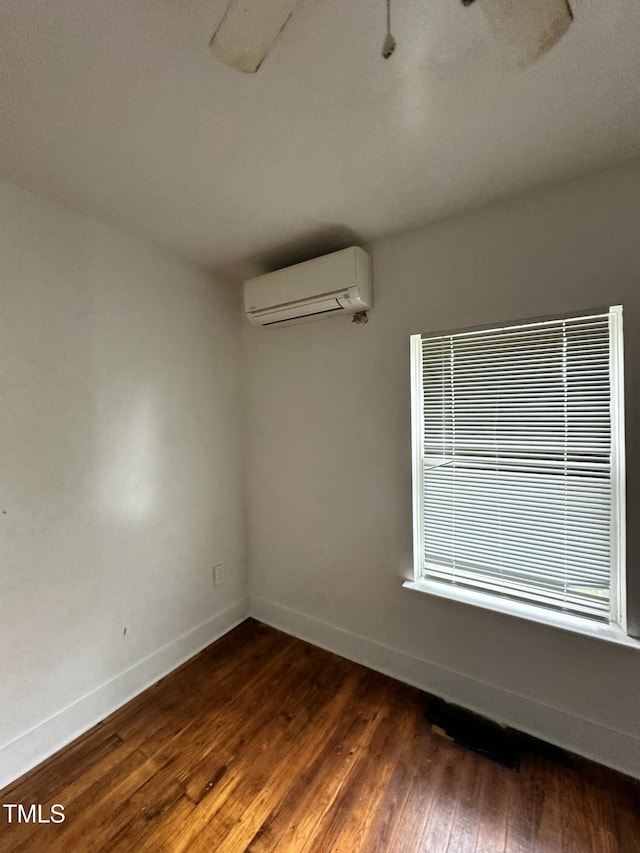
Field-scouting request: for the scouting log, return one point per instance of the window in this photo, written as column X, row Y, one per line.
column 518, row 466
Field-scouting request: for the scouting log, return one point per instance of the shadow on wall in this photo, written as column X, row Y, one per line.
column 321, row 241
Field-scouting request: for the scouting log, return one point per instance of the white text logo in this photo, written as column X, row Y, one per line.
column 17, row 813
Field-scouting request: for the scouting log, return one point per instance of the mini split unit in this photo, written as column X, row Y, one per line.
column 334, row 284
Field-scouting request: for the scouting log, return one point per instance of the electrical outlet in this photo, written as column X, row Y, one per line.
column 218, row 574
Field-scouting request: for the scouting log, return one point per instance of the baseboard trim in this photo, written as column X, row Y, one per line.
column 35, row 745
column 593, row 740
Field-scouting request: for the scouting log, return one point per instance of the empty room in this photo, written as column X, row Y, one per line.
column 319, row 456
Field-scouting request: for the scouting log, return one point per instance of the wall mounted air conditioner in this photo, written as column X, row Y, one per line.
column 334, row 284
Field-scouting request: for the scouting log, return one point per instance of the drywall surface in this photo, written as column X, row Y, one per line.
column 120, row 455
column 329, row 463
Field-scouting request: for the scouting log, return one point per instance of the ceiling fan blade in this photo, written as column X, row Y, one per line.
column 527, row 29
column 248, row 31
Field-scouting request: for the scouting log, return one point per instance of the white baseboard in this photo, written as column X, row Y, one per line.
column 588, row 738
column 33, row 746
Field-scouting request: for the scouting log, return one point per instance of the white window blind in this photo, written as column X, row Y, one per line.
column 518, row 462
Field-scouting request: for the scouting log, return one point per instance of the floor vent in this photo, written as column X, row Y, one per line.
column 474, row 732
column 499, row 743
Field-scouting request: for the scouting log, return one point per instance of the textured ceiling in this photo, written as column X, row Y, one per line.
column 118, row 108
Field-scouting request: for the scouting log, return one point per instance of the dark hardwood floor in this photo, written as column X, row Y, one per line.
column 265, row 743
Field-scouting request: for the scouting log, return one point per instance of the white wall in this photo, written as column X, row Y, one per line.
column 121, row 470
column 328, row 462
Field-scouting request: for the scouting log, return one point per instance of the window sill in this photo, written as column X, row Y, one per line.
column 566, row 622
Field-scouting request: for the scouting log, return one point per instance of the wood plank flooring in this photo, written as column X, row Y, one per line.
column 265, row 743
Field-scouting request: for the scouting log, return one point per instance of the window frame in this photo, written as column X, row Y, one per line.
column 616, row 629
